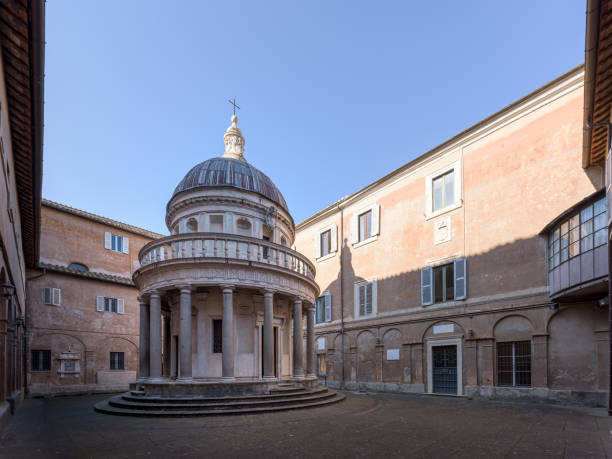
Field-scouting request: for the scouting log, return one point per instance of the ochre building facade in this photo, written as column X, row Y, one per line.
column 84, row 320
column 478, row 269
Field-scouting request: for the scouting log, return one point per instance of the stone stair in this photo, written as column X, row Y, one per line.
column 282, row 397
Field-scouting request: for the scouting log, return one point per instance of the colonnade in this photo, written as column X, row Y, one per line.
column 150, row 349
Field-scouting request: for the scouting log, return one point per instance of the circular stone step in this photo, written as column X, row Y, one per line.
column 142, row 407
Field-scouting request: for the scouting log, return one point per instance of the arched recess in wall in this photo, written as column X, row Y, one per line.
column 243, row 227
column 513, row 328
column 366, row 357
column 334, row 366
column 572, row 348
column 59, row 343
column 120, row 344
column 392, row 369
column 443, row 329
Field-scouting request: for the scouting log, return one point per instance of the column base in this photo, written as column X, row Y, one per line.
column 311, row 375
column 184, row 378
column 269, row 378
column 228, row 379
column 298, row 376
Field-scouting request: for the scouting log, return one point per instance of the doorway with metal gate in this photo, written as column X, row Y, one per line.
column 444, row 366
column 444, row 369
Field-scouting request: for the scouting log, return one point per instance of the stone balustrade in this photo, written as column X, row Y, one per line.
column 228, row 247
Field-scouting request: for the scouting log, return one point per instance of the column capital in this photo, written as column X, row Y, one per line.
column 298, row 299
column 154, row 293
column 226, row 287
column 268, row 291
column 185, row 288
column 142, row 300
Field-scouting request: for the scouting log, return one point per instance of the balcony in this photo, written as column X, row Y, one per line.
column 186, row 257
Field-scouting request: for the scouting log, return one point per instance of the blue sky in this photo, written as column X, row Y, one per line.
column 334, row 94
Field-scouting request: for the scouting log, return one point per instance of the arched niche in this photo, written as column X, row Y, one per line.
column 243, row 227
column 366, row 357
column 392, row 368
column 513, row 328
column 192, row 225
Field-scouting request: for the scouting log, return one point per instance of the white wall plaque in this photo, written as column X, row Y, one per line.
column 321, row 344
column 442, row 230
column 392, row 354
column 445, row 328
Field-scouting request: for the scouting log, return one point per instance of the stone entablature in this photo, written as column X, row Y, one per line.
column 208, row 259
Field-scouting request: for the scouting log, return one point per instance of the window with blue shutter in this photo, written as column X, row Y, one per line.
column 427, row 286
column 460, row 279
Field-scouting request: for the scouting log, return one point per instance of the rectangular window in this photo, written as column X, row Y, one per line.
column 105, row 304
column 514, row 364
column 365, row 226
column 116, row 243
column 443, row 190
column 52, row 296
column 217, row 336
column 444, row 283
column 116, row 361
column 325, row 242
column 41, row 360
column 320, row 310
column 322, row 364
column 580, row 233
column 365, row 299
column 69, row 365
column 216, row 223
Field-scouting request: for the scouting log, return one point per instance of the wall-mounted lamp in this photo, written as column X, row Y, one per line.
column 553, row 306
column 471, row 333
column 603, row 302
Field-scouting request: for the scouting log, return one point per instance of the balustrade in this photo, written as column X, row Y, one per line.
column 226, row 246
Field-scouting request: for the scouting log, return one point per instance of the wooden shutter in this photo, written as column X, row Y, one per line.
column 362, row 299
column 328, row 306
column 354, row 229
column 120, row 306
column 375, row 220
column 100, row 303
column 334, row 238
column 460, row 279
column 107, row 240
column 120, row 361
column 57, row 296
column 126, row 245
column 317, row 245
column 368, row 301
column 427, row 286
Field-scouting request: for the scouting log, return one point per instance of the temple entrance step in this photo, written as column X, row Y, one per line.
column 131, row 405
column 220, row 399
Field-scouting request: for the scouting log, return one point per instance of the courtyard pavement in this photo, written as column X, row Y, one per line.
column 372, row 425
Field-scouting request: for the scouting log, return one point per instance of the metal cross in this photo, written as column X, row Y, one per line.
column 233, row 102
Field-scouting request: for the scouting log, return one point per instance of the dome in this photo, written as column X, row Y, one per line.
column 224, row 171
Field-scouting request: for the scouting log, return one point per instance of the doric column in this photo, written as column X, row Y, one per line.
column 310, row 348
column 268, row 336
column 298, row 371
column 143, row 348
column 155, row 336
column 228, row 334
column 185, row 334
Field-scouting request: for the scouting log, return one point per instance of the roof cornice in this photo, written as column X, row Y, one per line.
column 532, row 101
column 100, row 219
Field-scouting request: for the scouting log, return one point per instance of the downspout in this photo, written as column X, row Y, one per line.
column 342, row 292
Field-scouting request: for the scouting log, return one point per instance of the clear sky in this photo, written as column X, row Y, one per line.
column 334, row 94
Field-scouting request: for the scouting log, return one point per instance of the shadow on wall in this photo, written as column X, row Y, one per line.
column 514, row 268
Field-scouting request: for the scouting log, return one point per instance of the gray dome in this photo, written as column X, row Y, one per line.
column 234, row 173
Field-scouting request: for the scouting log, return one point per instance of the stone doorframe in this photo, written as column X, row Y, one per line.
column 445, row 342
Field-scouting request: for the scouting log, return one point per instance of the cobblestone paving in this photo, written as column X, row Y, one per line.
column 371, row 425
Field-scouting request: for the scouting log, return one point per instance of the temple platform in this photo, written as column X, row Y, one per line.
column 201, row 398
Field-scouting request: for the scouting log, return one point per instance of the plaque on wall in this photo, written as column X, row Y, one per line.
column 442, row 230
column 392, row 354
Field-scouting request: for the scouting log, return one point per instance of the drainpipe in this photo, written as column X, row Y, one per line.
column 342, row 292
column 590, row 59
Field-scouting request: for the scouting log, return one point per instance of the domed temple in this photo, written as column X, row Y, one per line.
column 223, row 300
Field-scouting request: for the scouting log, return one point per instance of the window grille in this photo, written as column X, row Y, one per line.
column 41, row 360
column 514, row 364
column 217, row 336
column 116, row 361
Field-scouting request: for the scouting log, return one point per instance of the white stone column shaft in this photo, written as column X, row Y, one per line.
column 310, row 348
column 155, row 336
column 185, row 335
column 268, row 336
column 228, row 335
column 298, row 371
